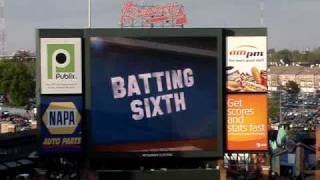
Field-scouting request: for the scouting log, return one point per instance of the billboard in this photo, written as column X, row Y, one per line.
column 60, row 127
column 247, row 122
column 61, row 65
column 247, row 63
column 155, row 96
column 318, row 143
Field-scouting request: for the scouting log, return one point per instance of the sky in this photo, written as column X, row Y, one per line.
column 292, row 24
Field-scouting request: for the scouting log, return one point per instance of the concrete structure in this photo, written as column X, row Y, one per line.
column 307, row 78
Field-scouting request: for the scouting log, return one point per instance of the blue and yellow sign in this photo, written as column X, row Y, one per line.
column 61, row 124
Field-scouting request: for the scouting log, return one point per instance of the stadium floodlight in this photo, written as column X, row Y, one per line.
column 89, row 13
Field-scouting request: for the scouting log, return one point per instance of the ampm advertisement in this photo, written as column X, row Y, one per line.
column 247, row 63
column 61, row 124
column 149, row 96
column 247, row 122
column 61, row 66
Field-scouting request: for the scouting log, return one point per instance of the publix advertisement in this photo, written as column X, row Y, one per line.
column 247, row 64
column 61, row 66
column 61, row 124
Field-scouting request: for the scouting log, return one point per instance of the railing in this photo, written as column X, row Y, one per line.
column 17, row 145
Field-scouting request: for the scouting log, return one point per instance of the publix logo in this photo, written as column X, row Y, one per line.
column 61, row 61
column 246, row 52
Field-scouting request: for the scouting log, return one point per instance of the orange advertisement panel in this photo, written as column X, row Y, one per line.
column 247, row 122
column 318, row 143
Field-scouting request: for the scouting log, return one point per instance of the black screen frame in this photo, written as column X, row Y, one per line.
column 163, row 32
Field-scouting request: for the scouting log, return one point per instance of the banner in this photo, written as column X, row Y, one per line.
column 133, row 14
column 61, row 60
column 247, row 64
column 247, row 122
column 61, row 124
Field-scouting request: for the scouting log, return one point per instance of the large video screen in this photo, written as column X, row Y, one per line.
column 156, row 96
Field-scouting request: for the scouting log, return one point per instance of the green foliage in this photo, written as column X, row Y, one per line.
column 17, row 81
column 287, row 56
column 292, row 87
column 274, row 108
column 22, row 55
column 314, row 56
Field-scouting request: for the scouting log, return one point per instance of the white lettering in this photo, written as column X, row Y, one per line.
column 168, row 80
column 180, row 101
column 147, row 107
column 177, row 79
column 137, row 110
column 118, row 87
column 145, row 77
column 168, row 98
column 133, row 87
column 188, row 77
column 158, row 76
column 156, row 106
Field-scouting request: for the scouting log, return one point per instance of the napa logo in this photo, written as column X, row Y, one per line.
column 61, row 61
column 246, row 52
column 61, row 118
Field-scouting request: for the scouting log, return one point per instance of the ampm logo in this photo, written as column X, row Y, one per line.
column 61, row 61
column 61, row 118
column 246, row 51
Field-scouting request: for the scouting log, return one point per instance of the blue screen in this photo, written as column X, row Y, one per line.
column 190, row 125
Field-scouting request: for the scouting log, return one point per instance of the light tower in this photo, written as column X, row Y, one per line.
column 3, row 38
column 261, row 12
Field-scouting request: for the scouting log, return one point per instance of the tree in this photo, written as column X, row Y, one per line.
column 274, row 108
column 296, row 56
column 22, row 55
column 285, row 55
column 6, row 72
column 314, row 56
column 17, row 81
column 292, row 87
